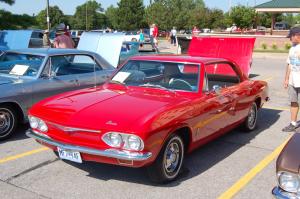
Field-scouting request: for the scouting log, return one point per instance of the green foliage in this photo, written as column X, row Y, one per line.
column 287, row 45
column 274, row 46
column 12, row 21
column 55, row 14
column 88, row 16
column 242, row 16
column 130, row 14
column 112, row 17
column 10, row 2
column 264, row 46
column 184, row 14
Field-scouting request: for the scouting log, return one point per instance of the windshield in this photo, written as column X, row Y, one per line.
column 161, row 75
column 20, row 64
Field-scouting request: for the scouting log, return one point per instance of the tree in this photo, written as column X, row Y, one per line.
column 242, row 16
column 180, row 13
column 55, row 14
column 13, row 21
column 88, row 16
column 10, row 2
column 130, row 14
column 112, row 17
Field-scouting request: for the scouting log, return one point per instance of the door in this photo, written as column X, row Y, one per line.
column 89, row 72
column 55, row 78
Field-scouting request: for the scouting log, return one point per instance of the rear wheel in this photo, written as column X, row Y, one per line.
column 8, row 122
column 169, row 161
column 251, row 119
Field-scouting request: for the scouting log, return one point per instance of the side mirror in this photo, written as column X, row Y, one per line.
column 217, row 89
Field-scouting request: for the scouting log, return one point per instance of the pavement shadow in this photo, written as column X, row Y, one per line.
column 195, row 163
column 19, row 134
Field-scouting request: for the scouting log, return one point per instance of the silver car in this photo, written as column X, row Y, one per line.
column 30, row 75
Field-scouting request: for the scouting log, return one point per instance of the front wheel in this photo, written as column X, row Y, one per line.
column 8, row 122
column 169, row 161
column 251, row 119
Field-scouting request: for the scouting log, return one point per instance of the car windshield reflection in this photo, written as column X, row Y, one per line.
column 160, row 75
column 20, row 64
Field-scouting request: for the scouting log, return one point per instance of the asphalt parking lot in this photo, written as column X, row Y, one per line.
column 238, row 165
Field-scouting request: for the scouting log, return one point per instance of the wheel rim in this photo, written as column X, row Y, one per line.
column 6, row 122
column 173, row 157
column 252, row 117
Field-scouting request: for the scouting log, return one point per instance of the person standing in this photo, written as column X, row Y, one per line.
column 62, row 41
column 46, row 40
column 151, row 33
column 195, row 31
column 173, row 36
column 142, row 38
column 155, row 35
column 292, row 77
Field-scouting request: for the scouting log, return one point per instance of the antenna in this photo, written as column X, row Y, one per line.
column 95, row 77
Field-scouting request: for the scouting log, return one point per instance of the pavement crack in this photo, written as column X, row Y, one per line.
column 31, row 169
column 246, row 145
column 16, row 186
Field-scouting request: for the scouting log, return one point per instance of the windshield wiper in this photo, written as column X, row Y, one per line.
column 156, row 86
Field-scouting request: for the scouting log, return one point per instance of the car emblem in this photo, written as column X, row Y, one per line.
column 111, row 123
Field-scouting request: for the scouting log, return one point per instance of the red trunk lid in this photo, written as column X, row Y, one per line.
column 233, row 48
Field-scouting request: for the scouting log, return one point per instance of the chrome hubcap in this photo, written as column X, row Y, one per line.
column 172, row 157
column 252, row 116
column 5, row 121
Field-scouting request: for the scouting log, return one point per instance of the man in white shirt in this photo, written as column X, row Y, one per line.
column 292, row 77
column 173, row 36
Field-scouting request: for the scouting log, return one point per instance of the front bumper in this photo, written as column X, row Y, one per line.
column 109, row 153
column 278, row 193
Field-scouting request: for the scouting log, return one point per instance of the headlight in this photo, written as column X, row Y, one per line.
column 34, row 122
column 113, row 139
column 288, row 181
column 42, row 126
column 133, row 143
column 124, row 141
column 37, row 123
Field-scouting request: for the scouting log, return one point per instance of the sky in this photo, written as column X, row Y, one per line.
column 31, row 7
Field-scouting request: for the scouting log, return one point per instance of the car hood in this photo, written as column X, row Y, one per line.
column 106, row 45
column 237, row 49
column 14, row 39
column 289, row 159
column 7, row 80
column 113, row 109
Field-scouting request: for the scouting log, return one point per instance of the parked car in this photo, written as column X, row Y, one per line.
column 119, row 50
column 281, row 26
column 132, row 36
column 130, row 49
column 287, row 170
column 151, row 112
column 19, row 39
column 30, row 75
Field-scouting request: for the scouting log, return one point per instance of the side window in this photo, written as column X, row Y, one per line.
column 73, row 64
column 221, row 74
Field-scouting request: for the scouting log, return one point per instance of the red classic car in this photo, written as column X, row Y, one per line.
column 152, row 111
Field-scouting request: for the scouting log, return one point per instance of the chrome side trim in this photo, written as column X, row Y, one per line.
column 111, row 153
column 72, row 129
column 278, row 193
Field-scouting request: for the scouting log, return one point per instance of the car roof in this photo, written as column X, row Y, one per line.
column 50, row 51
column 179, row 58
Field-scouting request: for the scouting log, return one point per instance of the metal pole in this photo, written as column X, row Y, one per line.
column 86, row 18
column 48, row 18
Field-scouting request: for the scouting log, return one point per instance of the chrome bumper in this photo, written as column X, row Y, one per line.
column 278, row 193
column 111, row 153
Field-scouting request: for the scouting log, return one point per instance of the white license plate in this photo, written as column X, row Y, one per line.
column 69, row 155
